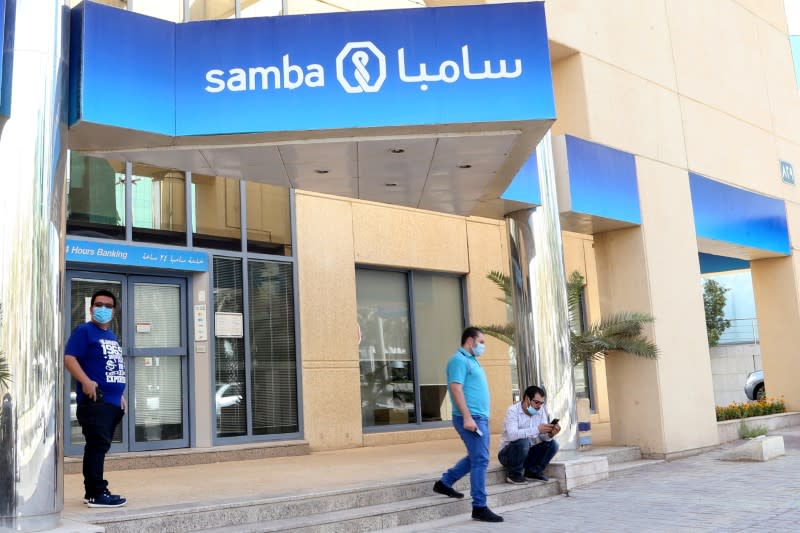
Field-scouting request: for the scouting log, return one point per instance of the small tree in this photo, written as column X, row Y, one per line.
column 619, row 332
column 714, row 303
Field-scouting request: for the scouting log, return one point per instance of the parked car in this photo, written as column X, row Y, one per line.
column 754, row 386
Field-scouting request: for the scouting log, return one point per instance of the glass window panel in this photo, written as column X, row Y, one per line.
column 96, row 197
column 211, row 9
column 171, row 10
column 81, row 291
column 326, row 6
column 158, row 315
column 231, row 393
column 438, row 322
column 216, row 212
column 387, row 389
column 123, row 4
column 260, row 8
column 159, row 206
column 269, row 228
column 272, row 348
column 158, row 398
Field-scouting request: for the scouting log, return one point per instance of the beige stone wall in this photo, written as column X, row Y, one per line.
column 707, row 87
column 336, row 234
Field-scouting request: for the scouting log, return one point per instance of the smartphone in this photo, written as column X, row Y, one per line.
column 479, row 432
column 554, row 421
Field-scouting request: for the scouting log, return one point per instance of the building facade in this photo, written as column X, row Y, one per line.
column 309, row 279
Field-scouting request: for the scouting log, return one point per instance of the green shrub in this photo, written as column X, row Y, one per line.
column 747, row 432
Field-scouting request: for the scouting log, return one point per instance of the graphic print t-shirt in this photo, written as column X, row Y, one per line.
column 100, row 356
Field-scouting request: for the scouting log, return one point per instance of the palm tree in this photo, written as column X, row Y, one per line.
column 619, row 332
column 5, row 373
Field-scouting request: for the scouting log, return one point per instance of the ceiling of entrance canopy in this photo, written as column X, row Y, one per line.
column 434, row 108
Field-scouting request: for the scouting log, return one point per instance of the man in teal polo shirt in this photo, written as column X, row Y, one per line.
column 469, row 394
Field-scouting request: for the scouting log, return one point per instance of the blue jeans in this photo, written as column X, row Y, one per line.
column 520, row 455
column 476, row 462
column 98, row 421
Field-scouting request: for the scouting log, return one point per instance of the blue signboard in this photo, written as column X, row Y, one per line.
column 135, row 256
column 728, row 214
column 469, row 64
column 602, row 181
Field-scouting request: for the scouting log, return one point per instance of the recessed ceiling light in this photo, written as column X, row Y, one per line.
column 391, row 184
column 322, row 171
column 396, row 150
column 464, row 166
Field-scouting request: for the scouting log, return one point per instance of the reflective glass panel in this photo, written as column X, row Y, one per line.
column 96, row 197
column 272, row 348
column 158, row 205
column 438, row 322
column 158, row 398
column 269, row 228
column 211, row 9
column 260, row 8
column 81, row 291
column 387, row 373
column 122, row 4
column 171, row 10
column 216, row 212
column 230, row 364
column 157, row 323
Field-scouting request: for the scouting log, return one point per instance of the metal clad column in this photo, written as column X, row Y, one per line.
column 539, row 294
column 32, row 154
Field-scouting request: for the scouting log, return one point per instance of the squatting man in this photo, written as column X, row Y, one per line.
column 527, row 445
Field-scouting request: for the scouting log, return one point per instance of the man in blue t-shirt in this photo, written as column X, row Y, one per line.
column 94, row 358
column 469, row 394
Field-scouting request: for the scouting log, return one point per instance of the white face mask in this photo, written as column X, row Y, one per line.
column 478, row 349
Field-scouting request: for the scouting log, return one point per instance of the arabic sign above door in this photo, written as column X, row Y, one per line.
column 109, row 253
column 469, row 64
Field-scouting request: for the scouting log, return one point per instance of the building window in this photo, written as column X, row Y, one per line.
column 171, row 10
column 158, row 202
column 269, row 228
column 410, row 324
column 582, row 373
column 96, row 198
column 256, row 382
column 211, row 9
column 216, row 213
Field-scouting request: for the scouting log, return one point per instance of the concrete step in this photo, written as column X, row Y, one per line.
column 616, row 454
column 193, row 456
column 395, row 514
column 291, row 508
column 620, row 468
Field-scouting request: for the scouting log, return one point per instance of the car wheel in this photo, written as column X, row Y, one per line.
column 760, row 393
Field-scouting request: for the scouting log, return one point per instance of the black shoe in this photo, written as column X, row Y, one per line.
column 105, row 500
column 536, row 475
column 483, row 514
column 441, row 488
column 107, row 492
column 516, row 479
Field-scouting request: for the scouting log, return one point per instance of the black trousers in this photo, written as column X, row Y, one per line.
column 98, row 421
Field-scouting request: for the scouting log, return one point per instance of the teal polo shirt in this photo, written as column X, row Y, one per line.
column 463, row 368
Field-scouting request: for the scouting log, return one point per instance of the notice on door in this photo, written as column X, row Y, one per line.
column 229, row 325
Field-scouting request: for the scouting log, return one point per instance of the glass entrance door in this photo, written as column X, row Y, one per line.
column 158, row 363
column 151, row 324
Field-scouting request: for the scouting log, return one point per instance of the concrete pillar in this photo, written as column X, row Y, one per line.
column 666, row 406
column 32, row 154
column 539, row 294
column 776, row 287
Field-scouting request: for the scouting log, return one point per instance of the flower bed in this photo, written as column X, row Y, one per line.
column 736, row 410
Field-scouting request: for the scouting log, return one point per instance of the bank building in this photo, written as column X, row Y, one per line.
column 298, row 203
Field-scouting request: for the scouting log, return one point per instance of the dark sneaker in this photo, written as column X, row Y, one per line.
column 516, row 479
column 441, row 488
column 483, row 514
column 105, row 491
column 536, row 475
column 106, row 500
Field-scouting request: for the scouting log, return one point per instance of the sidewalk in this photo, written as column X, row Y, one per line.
column 699, row 493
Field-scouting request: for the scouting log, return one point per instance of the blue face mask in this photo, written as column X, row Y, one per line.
column 478, row 349
column 532, row 411
column 101, row 315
